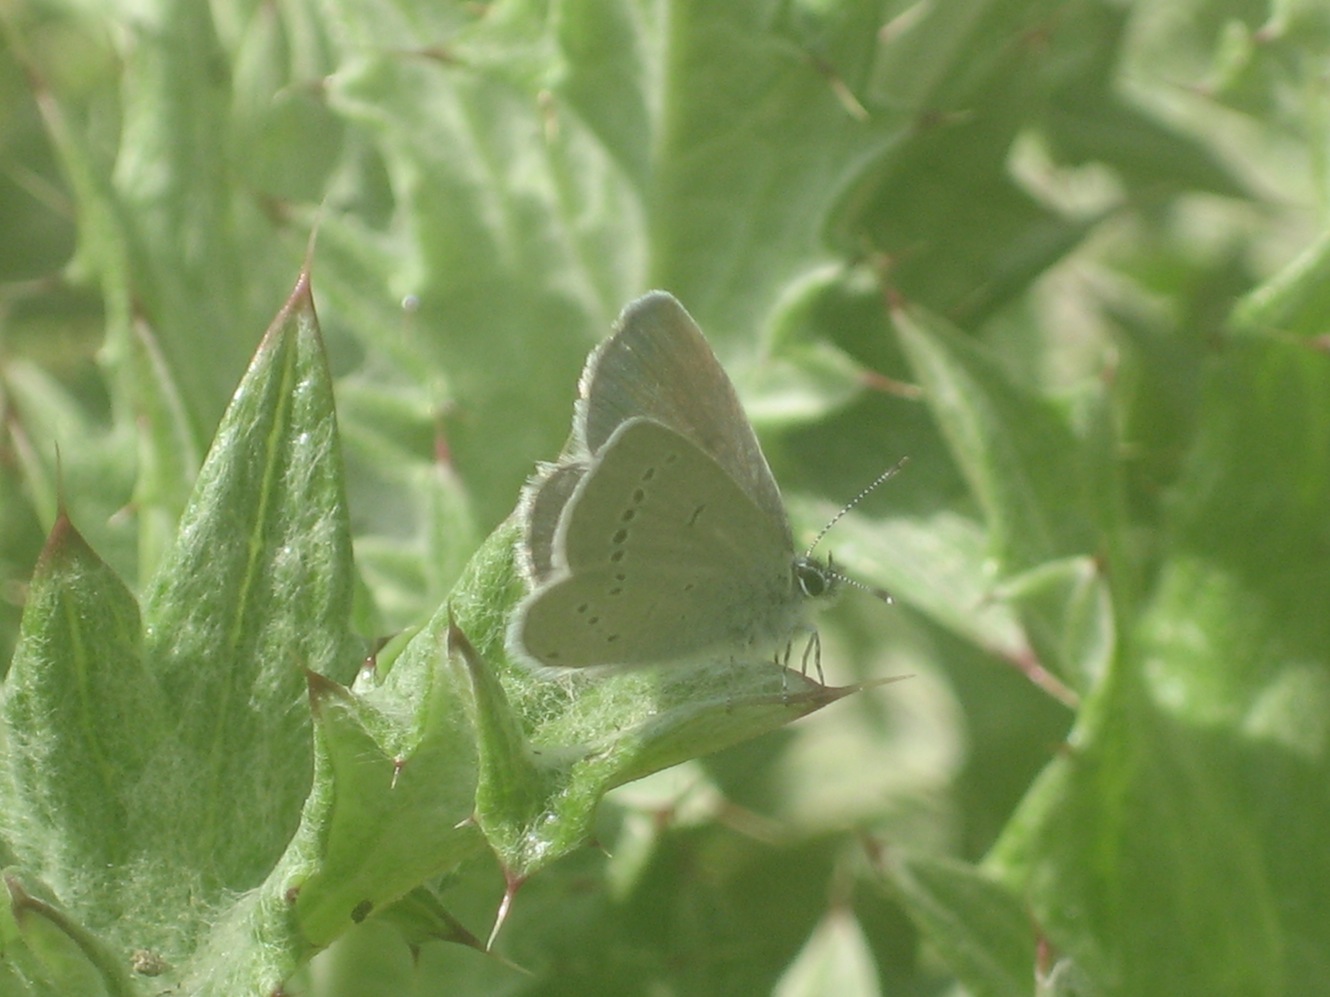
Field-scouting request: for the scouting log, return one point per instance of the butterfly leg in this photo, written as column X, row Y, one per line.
column 814, row 648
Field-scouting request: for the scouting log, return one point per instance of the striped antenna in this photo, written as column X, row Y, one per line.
column 888, row 473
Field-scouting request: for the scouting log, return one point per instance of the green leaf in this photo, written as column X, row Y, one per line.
column 1067, row 613
column 256, row 590
column 1293, row 301
column 981, row 926
column 390, row 807
column 836, row 960
column 1204, row 744
column 1014, row 448
column 53, row 954
column 81, row 713
column 548, row 750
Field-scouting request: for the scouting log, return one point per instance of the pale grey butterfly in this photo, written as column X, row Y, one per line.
column 660, row 536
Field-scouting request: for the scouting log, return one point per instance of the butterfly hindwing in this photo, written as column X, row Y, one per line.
column 659, row 555
column 543, row 502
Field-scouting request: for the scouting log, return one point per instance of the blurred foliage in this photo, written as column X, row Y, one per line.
column 1068, row 256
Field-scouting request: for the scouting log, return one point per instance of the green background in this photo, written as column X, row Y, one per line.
column 1069, row 257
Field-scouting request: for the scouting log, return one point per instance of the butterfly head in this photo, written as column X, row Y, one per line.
column 820, row 581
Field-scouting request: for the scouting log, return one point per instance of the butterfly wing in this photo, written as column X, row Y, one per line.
column 658, row 365
column 543, row 502
column 660, row 555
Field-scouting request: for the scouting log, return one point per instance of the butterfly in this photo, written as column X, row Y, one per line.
column 660, row 536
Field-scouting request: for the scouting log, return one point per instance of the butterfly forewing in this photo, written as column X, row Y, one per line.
column 658, row 365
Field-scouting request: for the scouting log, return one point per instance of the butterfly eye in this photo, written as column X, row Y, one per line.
column 812, row 578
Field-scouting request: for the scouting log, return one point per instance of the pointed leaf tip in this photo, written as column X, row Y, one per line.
column 811, row 696
column 64, row 543
column 302, row 294
column 322, row 689
column 299, row 304
column 874, row 683
column 63, row 539
column 512, row 883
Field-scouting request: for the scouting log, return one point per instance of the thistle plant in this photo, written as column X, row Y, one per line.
column 1066, row 256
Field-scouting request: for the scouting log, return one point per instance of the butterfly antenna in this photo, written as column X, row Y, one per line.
column 854, row 583
column 888, row 473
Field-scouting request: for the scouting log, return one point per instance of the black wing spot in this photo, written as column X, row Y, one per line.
column 697, row 514
column 617, row 555
column 619, row 536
